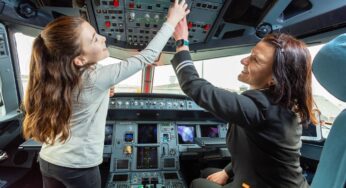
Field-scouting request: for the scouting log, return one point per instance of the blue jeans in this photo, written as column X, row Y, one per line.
column 54, row 176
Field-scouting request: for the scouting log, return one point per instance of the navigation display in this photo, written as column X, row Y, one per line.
column 186, row 133
column 211, row 131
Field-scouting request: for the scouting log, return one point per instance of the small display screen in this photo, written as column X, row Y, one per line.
column 108, row 134
column 169, row 163
column 128, row 137
column 186, row 134
column 147, row 133
column 122, row 164
column 211, row 131
column 147, row 157
column 170, row 176
column 120, row 177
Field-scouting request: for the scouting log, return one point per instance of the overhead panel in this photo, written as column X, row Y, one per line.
column 133, row 23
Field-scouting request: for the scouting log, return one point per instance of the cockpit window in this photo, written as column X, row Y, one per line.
column 165, row 80
column 129, row 85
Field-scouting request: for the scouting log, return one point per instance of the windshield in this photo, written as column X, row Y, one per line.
column 221, row 72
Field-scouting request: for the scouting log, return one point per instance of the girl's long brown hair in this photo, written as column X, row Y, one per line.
column 292, row 73
column 53, row 76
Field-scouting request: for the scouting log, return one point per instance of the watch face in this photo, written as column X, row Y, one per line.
column 179, row 42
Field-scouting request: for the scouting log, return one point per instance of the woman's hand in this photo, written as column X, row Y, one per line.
column 177, row 12
column 181, row 32
column 220, row 177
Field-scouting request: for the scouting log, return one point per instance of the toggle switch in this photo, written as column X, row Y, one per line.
column 132, row 16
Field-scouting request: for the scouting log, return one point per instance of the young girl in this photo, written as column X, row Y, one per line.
column 67, row 96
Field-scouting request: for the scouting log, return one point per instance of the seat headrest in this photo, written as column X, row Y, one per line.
column 329, row 67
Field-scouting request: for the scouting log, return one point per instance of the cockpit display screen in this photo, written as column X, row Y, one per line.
column 147, row 133
column 147, row 157
column 186, row 133
column 211, row 131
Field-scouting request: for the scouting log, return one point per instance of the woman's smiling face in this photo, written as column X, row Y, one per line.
column 257, row 70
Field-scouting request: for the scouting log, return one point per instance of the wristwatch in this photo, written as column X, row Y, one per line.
column 181, row 42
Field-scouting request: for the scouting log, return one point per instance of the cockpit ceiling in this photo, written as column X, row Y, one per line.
column 216, row 27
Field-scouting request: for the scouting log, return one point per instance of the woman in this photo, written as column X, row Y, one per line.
column 67, row 96
column 265, row 121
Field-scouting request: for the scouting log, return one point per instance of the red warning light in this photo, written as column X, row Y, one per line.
column 189, row 25
column 131, row 5
column 206, row 27
column 108, row 24
column 116, row 3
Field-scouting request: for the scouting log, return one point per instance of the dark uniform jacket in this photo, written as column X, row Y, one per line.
column 263, row 137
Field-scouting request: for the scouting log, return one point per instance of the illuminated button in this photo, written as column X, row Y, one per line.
column 190, row 25
column 116, row 3
column 108, row 24
column 131, row 5
column 206, row 27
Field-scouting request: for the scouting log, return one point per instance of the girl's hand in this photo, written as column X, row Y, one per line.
column 177, row 12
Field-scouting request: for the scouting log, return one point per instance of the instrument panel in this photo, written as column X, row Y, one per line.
column 143, row 152
column 146, row 150
column 133, row 23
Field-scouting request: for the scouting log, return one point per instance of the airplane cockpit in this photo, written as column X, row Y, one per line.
column 155, row 135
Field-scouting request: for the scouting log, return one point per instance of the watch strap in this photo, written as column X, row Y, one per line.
column 181, row 42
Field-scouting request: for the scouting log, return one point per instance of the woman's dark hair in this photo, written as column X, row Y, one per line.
column 53, row 77
column 292, row 75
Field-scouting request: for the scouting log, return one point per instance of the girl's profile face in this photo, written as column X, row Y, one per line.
column 257, row 70
column 93, row 45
